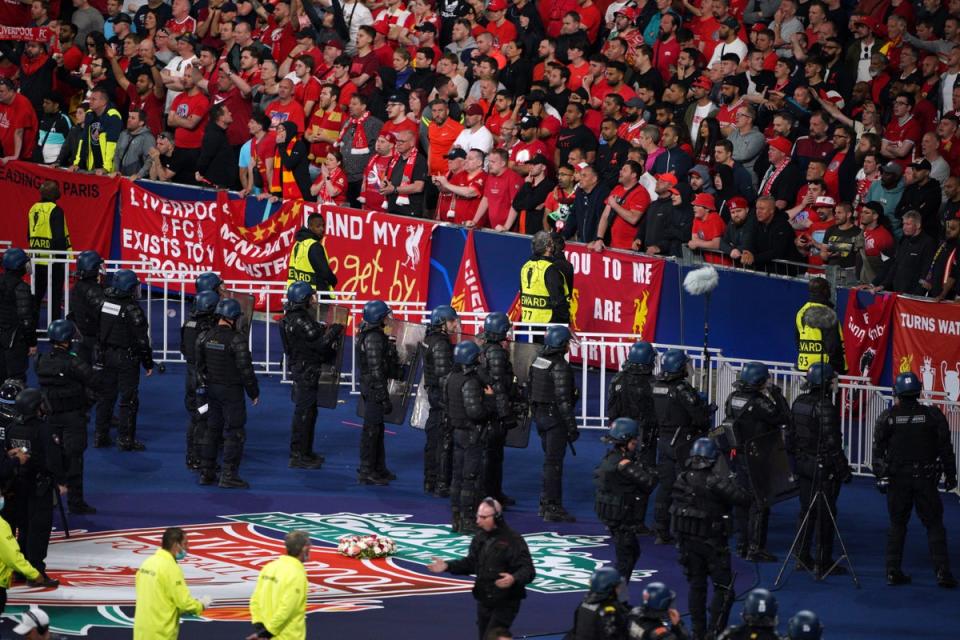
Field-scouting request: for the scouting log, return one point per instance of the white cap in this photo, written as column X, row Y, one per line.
column 32, row 620
column 825, row 201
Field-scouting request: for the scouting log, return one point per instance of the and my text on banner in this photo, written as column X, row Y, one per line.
column 88, row 203
column 926, row 340
column 866, row 330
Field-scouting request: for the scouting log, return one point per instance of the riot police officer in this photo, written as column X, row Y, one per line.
column 209, row 281
column 201, row 320
column 656, row 619
column 911, row 449
column 754, row 408
column 224, row 373
column 31, row 508
column 621, row 478
column 496, row 371
column 308, row 345
column 703, row 497
column 683, row 415
column 378, row 361
column 804, row 625
column 759, row 618
column 9, row 391
column 631, row 396
column 85, row 300
column 601, row 615
column 553, row 394
column 18, row 316
column 468, row 412
column 816, row 443
column 123, row 347
column 437, row 364
column 67, row 385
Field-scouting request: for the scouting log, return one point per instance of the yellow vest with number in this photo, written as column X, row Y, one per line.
column 300, row 269
column 39, row 231
column 534, row 296
column 811, row 341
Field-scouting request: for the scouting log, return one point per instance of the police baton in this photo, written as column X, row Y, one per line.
column 572, row 448
column 63, row 513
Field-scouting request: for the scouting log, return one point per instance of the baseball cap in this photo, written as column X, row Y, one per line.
column 738, row 202
column 309, row 32
column 529, row 122
column 33, row 619
column 228, row 7
column 892, row 167
column 397, row 97
column 758, row 27
column 705, row 200
column 635, row 103
column 538, row 158
column 825, row 201
column 381, row 27
column 474, row 110
column 335, row 43
column 389, row 137
column 497, row 5
column 123, row 17
column 731, row 23
column 455, row 153
column 703, row 82
column 667, row 177
column 921, row 165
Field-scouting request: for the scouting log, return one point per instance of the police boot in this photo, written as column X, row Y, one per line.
column 230, row 480
column 553, row 512
column 429, row 487
column 945, row 579
column 102, row 439
column 760, row 555
column 390, row 476
column 43, row 581
column 896, row 577
column 455, row 521
column 369, row 477
column 314, row 457
column 664, row 537
column 208, row 477
column 130, row 444
column 193, row 463
column 643, row 530
column 300, row 461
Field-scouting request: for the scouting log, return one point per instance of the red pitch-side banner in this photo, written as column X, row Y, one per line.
column 468, row 290
column 26, row 34
column 866, row 330
column 926, row 340
column 88, row 203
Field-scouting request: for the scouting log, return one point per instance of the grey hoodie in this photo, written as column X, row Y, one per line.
column 704, row 172
column 132, row 157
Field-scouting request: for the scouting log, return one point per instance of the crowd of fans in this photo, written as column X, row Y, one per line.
column 750, row 131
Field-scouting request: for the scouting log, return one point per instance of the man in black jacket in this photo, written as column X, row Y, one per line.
column 437, row 365
column 500, row 559
column 923, row 196
column 738, row 236
column 659, row 232
column 18, row 316
column 217, row 164
column 912, row 260
column 85, row 300
column 773, row 239
column 377, row 362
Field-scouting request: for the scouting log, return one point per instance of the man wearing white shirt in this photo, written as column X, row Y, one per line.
column 356, row 15
column 728, row 41
column 173, row 73
column 474, row 135
column 949, row 81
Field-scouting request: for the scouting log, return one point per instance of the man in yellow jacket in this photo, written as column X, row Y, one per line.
column 278, row 607
column 162, row 593
column 11, row 559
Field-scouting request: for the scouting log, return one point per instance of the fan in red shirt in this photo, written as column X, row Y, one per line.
column 263, row 146
column 237, row 98
column 18, row 124
column 463, row 189
column 188, row 114
column 285, row 108
column 502, row 111
column 181, row 22
column 376, row 172
column 324, row 126
column 624, row 210
column 819, row 223
column 498, row 193
column 530, row 145
column 708, row 228
column 279, row 33
column 502, row 30
column 903, row 132
column 397, row 119
column 397, row 20
column 330, row 187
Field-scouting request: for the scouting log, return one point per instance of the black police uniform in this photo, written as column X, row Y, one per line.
column 646, row 625
column 438, row 450
column 631, row 396
column 225, row 371
column 911, row 447
column 67, row 384
column 86, row 297
column 815, row 441
column 195, row 326
column 553, row 394
column 502, row 550
column 18, row 325
column 467, row 411
column 682, row 417
column 702, row 501
column 378, row 361
column 31, row 506
column 749, row 632
column 124, row 345
column 619, row 487
column 496, row 371
column 599, row 617
column 308, row 345
column 754, row 413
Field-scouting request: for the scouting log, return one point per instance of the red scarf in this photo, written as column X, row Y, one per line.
column 768, row 184
column 359, row 135
column 283, row 179
column 407, row 174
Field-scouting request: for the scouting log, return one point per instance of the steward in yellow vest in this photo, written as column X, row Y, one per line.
column 544, row 292
column 47, row 231
column 278, row 606
column 308, row 259
column 811, row 340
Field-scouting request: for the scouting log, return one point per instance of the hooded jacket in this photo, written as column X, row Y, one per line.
column 132, row 157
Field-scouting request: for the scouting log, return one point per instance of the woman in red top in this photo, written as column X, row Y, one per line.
column 330, row 186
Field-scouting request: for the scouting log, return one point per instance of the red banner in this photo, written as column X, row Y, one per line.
column 88, row 203
column 866, row 330
column 26, row 34
column 926, row 340
column 468, row 290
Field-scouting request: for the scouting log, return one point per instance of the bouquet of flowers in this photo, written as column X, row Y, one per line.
column 363, row 547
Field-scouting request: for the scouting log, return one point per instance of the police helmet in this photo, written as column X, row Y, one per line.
column 907, row 384
column 641, row 353
column 208, row 281
column 442, row 314
column 497, row 324
column 88, row 263
column 466, row 354
column 375, row 311
column 10, row 390
column 623, row 430
column 760, row 609
column 206, row 302
column 804, row 625
column 820, row 374
column 28, row 401
column 15, row 258
column 125, row 281
column 557, row 336
column 657, row 597
column 299, row 292
column 674, row 361
column 604, row 581
column 705, row 448
column 229, row 309
column 754, row 374
column 61, row 331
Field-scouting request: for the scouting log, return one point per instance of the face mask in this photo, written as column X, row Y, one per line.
column 181, row 555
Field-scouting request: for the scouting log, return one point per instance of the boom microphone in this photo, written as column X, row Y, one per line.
column 820, row 317
column 701, row 281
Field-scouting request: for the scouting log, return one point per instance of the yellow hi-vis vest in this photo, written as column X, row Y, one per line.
column 299, row 268
column 39, row 231
column 811, row 341
column 279, row 601
column 534, row 296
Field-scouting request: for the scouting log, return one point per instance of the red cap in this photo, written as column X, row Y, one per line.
column 782, row 145
column 705, row 200
column 474, row 110
column 703, row 82
column 738, row 202
column 497, row 5
column 867, row 20
column 667, row 177
column 758, row 27
column 631, row 13
column 381, row 27
column 389, row 137
column 675, row 191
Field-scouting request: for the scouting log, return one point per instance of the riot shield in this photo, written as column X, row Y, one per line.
column 771, row 476
column 246, row 301
column 328, row 384
column 421, row 403
column 522, row 355
column 407, row 337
